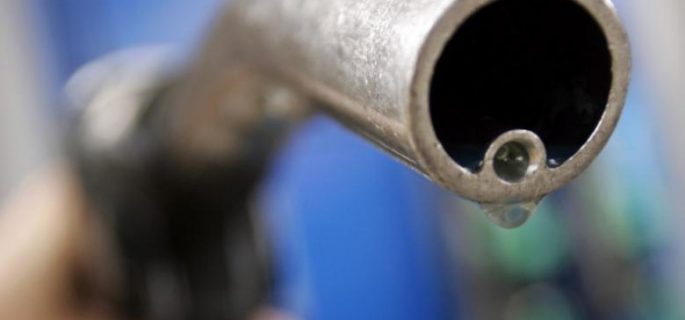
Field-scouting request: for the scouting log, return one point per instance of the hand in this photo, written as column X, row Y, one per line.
column 47, row 265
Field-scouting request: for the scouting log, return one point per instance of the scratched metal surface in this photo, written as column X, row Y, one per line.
column 370, row 64
column 359, row 55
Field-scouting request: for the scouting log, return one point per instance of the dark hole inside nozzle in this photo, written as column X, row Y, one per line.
column 538, row 65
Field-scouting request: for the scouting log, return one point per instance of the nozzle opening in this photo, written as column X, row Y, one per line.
column 537, row 65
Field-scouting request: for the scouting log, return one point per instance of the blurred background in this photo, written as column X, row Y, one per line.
column 370, row 239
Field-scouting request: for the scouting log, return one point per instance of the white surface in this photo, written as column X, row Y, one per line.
column 24, row 137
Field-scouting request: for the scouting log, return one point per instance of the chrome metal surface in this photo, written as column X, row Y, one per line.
column 370, row 64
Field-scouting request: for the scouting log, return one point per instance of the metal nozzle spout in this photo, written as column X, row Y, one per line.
column 444, row 84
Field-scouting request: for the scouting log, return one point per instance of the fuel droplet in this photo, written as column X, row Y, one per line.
column 511, row 162
column 509, row 215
